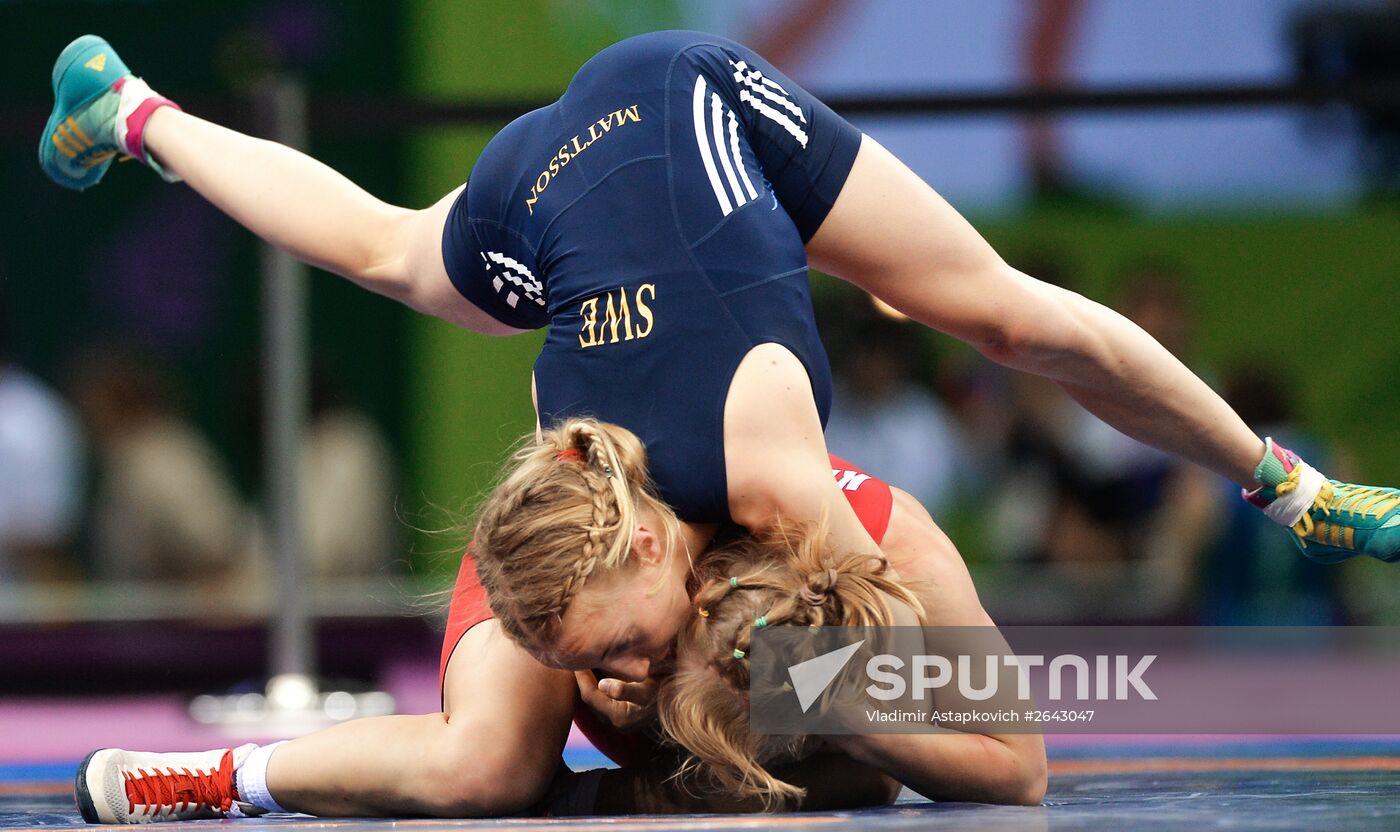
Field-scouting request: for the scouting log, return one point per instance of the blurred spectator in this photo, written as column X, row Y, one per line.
column 41, row 461
column 1144, row 506
column 164, row 506
column 1114, row 520
column 1254, row 574
column 1116, row 483
column 347, row 488
column 1030, row 507
column 1153, row 293
column 884, row 421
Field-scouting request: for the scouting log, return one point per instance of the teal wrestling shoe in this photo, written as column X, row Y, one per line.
column 1331, row 520
column 1346, row 520
column 100, row 112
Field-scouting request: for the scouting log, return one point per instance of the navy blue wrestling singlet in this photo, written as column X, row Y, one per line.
column 654, row 217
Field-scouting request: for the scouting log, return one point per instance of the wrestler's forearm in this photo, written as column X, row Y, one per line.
column 957, row 766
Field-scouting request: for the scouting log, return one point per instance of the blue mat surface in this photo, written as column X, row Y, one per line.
column 1172, row 801
column 1281, row 785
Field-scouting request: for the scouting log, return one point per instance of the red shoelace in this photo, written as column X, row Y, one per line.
column 181, row 788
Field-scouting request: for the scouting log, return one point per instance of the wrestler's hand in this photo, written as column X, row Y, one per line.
column 627, row 706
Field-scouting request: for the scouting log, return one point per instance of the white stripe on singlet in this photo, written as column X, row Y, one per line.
column 717, row 112
column 738, row 154
column 758, row 92
column 703, row 140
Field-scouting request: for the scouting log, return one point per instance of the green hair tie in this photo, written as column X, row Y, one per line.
column 738, row 654
column 760, row 622
column 733, row 583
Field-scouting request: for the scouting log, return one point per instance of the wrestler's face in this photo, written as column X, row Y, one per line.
column 624, row 622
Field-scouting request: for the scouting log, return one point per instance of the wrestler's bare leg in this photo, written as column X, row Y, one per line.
column 893, row 236
column 303, row 207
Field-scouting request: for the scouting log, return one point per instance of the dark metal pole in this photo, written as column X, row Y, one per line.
column 281, row 108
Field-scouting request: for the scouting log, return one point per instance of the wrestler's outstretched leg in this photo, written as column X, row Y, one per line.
column 891, row 234
column 492, row 752
column 292, row 201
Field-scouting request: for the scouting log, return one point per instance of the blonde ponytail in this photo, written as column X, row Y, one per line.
column 785, row 576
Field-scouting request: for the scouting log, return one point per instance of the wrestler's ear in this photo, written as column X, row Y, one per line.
column 648, row 547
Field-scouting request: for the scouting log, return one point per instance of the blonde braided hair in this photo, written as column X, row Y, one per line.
column 786, row 576
column 565, row 509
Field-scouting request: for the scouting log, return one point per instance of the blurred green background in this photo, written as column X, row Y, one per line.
column 1314, row 292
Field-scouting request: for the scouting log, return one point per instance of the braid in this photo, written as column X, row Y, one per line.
column 608, row 498
column 749, row 603
column 566, row 509
column 786, row 575
column 605, row 517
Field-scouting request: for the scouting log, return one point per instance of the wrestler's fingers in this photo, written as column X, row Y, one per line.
column 637, row 693
column 589, row 690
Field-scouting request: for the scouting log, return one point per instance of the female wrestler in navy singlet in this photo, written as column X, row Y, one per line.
column 654, row 218
column 660, row 218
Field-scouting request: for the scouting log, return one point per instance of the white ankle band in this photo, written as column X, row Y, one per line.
column 134, row 91
column 135, row 106
column 251, row 779
column 1289, row 508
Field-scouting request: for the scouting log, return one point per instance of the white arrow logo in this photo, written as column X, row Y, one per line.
column 811, row 678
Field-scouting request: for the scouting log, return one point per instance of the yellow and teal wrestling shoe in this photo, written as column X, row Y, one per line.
column 100, row 112
column 1331, row 520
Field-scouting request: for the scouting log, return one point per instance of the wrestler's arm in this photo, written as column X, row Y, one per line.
column 954, row 766
column 951, row 765
column 776, row 461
